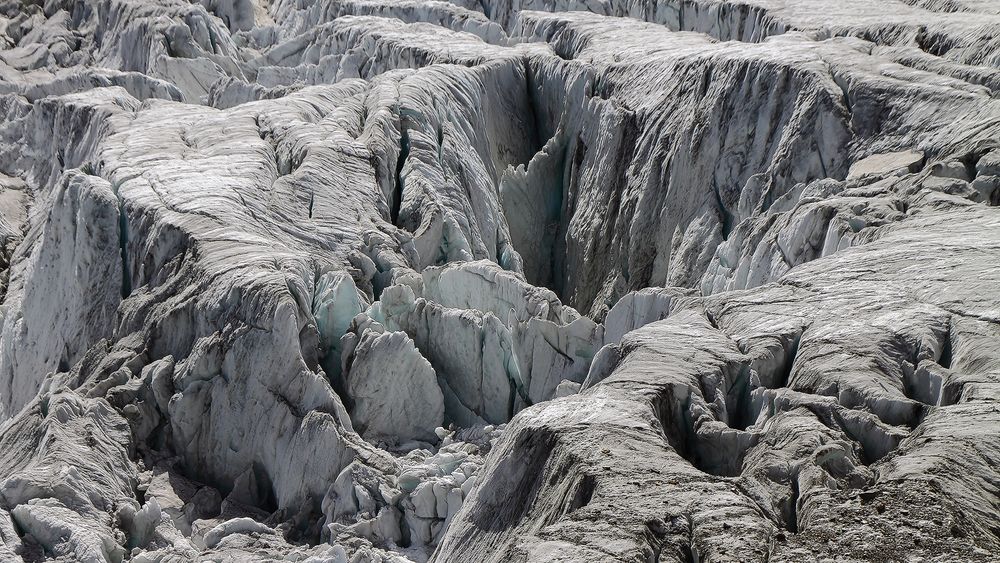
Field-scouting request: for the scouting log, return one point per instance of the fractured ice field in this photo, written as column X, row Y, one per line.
column 485, row 281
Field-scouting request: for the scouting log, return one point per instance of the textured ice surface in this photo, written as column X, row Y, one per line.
column 499, row 280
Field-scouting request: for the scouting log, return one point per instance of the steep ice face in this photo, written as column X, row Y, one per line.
column 368, row 281
column 392, row 389
column 62, row 297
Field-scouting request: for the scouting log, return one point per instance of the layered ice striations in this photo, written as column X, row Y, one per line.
column 371, row 281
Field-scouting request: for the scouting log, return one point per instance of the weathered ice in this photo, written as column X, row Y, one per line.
column 365, row 281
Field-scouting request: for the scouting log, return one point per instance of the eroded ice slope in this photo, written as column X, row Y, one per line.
column 366, row 280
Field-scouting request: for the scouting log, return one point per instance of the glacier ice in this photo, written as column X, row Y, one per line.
column 535, row 280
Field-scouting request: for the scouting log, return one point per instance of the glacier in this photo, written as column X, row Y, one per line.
column 372, row 281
